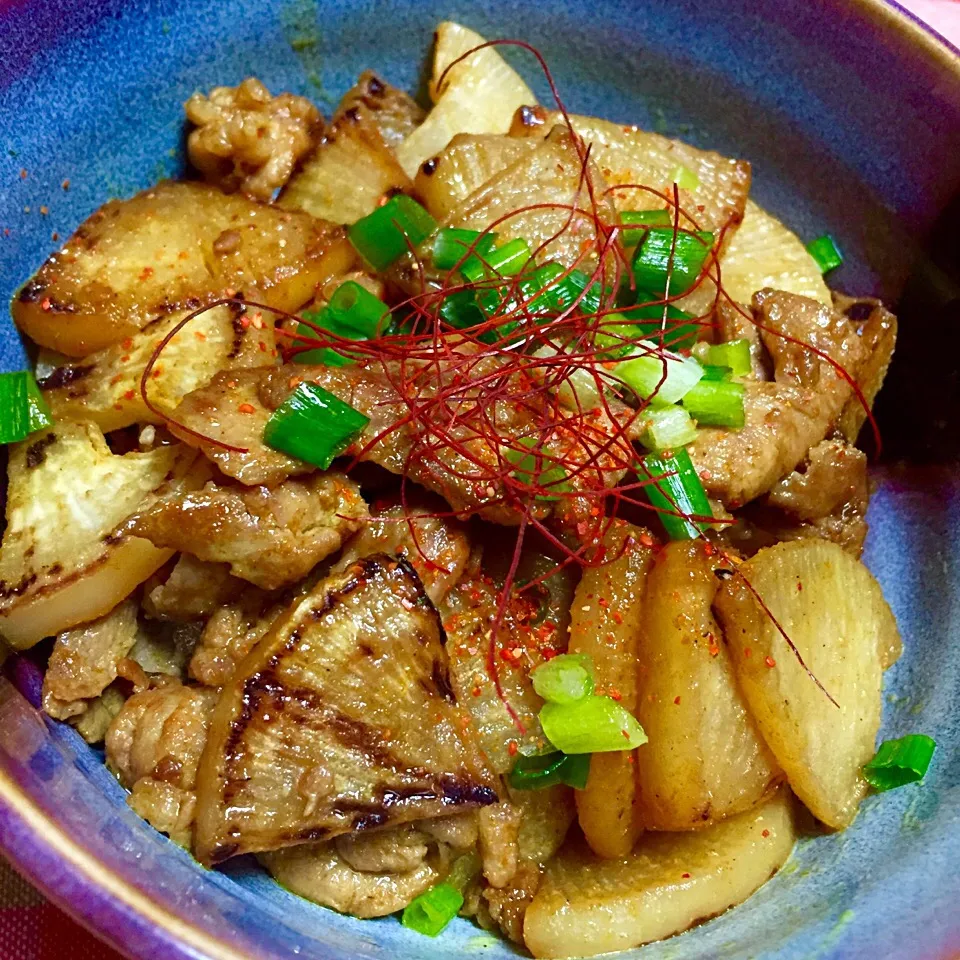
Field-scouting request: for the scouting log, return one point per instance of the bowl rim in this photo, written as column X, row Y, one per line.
column 118, row 913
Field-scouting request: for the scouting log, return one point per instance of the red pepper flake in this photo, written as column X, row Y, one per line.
column 157, row 372
column 232, row 384
column 685, row 876
column 45, row 304
column 676, row 701
column 646, row 540
column 127, row 344
column 512, row 748
column 245, row 322
column 129, row 395
column 263, row 347
column 770, row 662
column 476, row 691
column 765, row 834
column 116, row 379
column 617, row 617
column 250, row 408
column 199, row 334
column 626, row 734
column 23, row 174
column 602, row 601
column 746, row 652
column 799, row 586
column 708, row 549
column 54, row 235
column 615, row 694
column 146, row 273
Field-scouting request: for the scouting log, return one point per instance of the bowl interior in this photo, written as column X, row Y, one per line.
column 852, row 121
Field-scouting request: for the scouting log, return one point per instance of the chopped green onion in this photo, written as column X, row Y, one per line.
column 734, row 354
column 675, row 336
column 536, row 288
column 461, row 310
column 432, row 911
column 565, row 678
column 711, row 372
column 652, row 262
column 23, row 409
column 659, row 378
column 507, row 260
column 637, row 222
column 676, row 490
column 452, row 245
column 591, row 725
column 550, row 769
column 384, row 236
column 575, row 284
column 826, row 252
column 354, row 309
column 716, row 403
column 685, row 178
column 530, row 470
column 899, row 762
column 668, row 428
column 353, row 313
column 313, row 425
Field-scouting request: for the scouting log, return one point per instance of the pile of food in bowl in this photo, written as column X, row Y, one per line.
column 458, row 510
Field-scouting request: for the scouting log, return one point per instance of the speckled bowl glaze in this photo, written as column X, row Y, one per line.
column 850, row 112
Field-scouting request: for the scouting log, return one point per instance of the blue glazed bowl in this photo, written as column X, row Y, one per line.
column 850, row 112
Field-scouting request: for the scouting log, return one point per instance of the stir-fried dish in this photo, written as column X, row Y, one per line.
column 459, row 510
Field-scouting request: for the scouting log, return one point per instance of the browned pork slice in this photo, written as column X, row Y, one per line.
column 826, row 497
column 784, row 419
column 340, row 720
column 320, row 872
column 877, row 328
column 228, row 413
column 193, row 589
column 85, row 659
column 272, row 538
column 735, row 322
column 154, row 746
column 454, row 446
column 230, row 634
column 436, row 546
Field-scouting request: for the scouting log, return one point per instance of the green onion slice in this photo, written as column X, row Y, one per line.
column 899, row 762
column 685, row 178
column 734, row 354
column 550, row 769
column 676, row 490
column 591, row 725
column 451, row 245
column 716, row 403
column 652, row 262
column 531, row 470
column 355, row 309
column 637, row 222
column 507, row 260
column 23, row 410
column 430, row 913
column 826, row 252
column 565, row 678
column 659, row 377
column 678, row 333
column 313, row 425
column 668, row 428
column 384, row 236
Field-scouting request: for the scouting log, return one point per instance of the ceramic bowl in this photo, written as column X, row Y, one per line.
column 850, row 112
